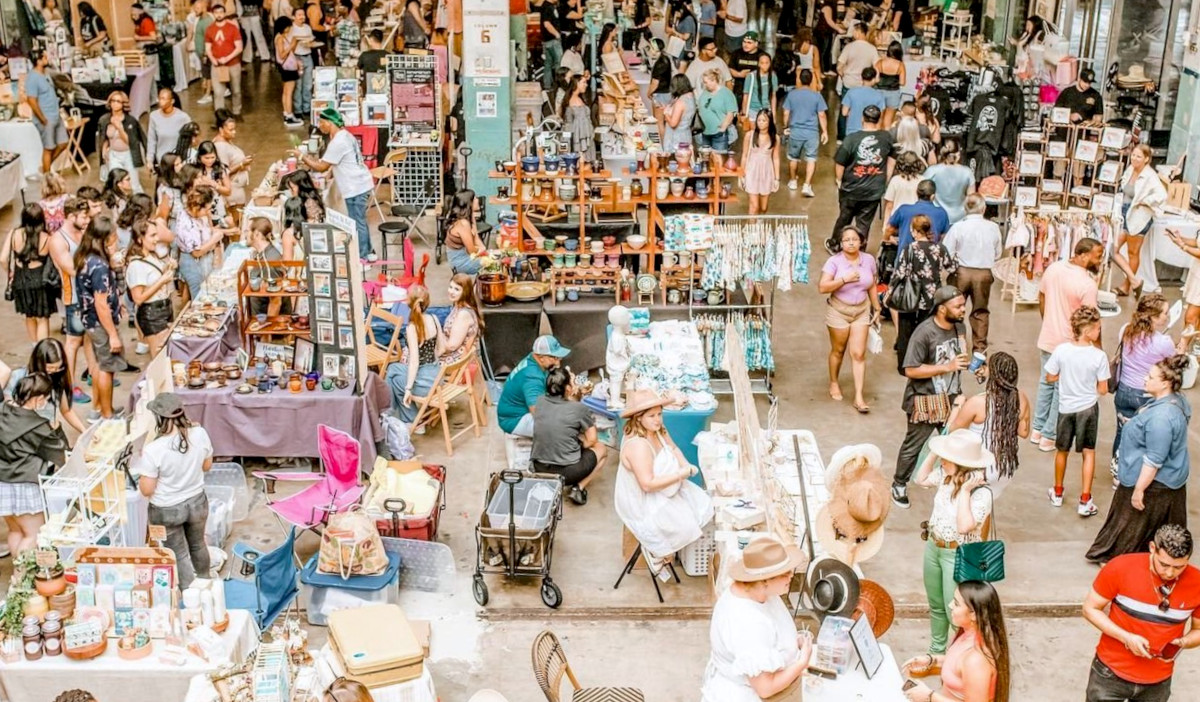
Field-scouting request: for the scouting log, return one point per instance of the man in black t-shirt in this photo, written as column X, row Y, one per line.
column 864, row 164
column 551, row 41
column 1084, row 101
column 374, row 59
column 743, row 62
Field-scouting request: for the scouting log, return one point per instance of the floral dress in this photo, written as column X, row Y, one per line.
column 460, row 315
column 930, row 264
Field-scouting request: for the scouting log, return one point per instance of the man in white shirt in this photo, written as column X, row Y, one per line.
column 706, row 58
column 353, row 179
column 736, row 25
column 855, row 56
column 975, row 243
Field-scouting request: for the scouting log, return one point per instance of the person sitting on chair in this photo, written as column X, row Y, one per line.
column 526, row 384
column 564, row 439
column 654, row 498
column 463, row 244
column 412, row 377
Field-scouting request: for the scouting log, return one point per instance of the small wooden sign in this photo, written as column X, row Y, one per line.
column 158, row 533
column 46, row 559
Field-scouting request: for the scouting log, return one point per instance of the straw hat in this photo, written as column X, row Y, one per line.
column 876, row 605
column 641, row 400
column 833, row 587
column 962, row 447
column 1135, row 76
column 766, row 557
column 850, row 525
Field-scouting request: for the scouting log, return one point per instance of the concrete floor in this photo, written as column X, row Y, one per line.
column 617, row 637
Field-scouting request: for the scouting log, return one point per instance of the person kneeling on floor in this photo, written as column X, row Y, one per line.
column 526, row 384
column 564, row 438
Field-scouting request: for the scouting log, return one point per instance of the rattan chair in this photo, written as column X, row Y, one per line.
column 549, row 665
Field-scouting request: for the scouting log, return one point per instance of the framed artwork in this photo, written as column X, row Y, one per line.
column 324, row 310
column 345, row 338
column 321, row 263
column 349, row 366
column 1109, row 172
column 1026, row 196
column 322, row 284
column 1031, row 164
column 343, row 314
column 324, row 333
column 304, row 353
column 343, row 291
column 1086, row 151
column 1056, row 149
column 329, row 365
column 339, row 241
column 867, row 646
column 1113, row 137
column 318, row 244
column 274, row 352
column 340, row 268
column 1060, row 115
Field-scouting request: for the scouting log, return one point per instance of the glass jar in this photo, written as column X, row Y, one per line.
column 31, row 638
column 52, row 638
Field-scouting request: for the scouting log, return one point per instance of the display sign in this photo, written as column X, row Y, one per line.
column 485, row 41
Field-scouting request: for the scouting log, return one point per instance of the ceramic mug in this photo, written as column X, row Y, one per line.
column 572, row 295
column 557, row 261
column 571, row 260
column 668, row 258
column 560, row 294
column 326, row 383
column 673, row 296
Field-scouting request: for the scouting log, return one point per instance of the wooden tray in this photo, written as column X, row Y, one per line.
column 87, row 652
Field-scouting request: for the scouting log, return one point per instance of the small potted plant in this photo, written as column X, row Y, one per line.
column 134, row 644
column 49, row 579
column 493, row 277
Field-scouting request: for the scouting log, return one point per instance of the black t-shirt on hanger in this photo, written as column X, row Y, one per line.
column 990, row 113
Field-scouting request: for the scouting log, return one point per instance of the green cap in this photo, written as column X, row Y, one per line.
column 330, row 114
column 750, row 35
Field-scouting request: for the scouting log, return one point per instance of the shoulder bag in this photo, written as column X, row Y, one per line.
column 1116, row 361
column 983, row 560
column 904, row 294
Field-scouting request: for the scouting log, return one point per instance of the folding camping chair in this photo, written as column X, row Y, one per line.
column 337, row 490
column 274, row 585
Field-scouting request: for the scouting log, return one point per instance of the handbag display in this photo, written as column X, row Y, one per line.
column 983, row 560
column 350, row 545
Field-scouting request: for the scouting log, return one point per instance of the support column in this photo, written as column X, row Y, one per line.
column 487, row 86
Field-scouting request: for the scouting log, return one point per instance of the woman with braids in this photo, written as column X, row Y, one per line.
column 188, row 143
column 976, row 667
column 171, row 474
column 1152, row 466
column 1143, row 343
column 1000, row 416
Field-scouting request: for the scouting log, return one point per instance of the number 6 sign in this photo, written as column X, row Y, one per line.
column 485, row 41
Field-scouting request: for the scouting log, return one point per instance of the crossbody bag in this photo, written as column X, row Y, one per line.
column 982, row 560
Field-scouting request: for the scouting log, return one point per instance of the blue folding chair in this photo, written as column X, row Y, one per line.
column 275, row 583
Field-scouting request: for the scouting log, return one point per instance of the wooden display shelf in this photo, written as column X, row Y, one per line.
column 587, row 173
column 586, row 280
column 276, row 270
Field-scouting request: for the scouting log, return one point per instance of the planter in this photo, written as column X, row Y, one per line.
column 53, row 584
column 493, row 287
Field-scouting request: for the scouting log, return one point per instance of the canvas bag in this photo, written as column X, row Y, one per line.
column 350, row 545
column 983, row 560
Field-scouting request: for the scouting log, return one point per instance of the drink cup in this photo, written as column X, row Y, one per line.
column 978, row 360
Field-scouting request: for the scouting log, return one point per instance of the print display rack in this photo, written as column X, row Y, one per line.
column 335, row 302
column 416, row 129
column 1069, row 166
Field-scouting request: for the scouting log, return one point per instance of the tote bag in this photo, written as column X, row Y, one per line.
column 904, row 295
column 350, row 545
column 983, row 560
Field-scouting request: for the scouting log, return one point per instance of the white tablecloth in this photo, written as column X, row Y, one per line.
column 183, row 68
column 111, row 677
column 24, row 139
column 1160, row 248
column 854, row 685
column 141, row 93
column 12, row 179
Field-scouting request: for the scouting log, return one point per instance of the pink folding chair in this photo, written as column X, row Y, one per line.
column 337, row 488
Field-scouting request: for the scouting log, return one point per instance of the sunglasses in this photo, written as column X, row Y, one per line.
column 1165, row 593
column 924, row 531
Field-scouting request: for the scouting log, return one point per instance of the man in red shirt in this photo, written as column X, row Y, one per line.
column 144, row 30
column 1149, row 598
column 223, row 44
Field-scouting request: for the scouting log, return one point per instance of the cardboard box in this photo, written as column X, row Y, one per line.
column 423, row 630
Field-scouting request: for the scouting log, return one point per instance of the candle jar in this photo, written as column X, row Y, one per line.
column 52, row 638
column 36, row 606
column 31, row 641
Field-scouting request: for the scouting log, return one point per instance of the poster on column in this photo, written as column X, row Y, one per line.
column 336, row 302
column 485, row 39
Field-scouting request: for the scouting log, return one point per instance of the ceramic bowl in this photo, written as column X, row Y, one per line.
column 636, row 241
column 530, row 164
column 571, row 244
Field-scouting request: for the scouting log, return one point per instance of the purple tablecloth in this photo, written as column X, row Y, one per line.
column 217, row 347
column 281, row 424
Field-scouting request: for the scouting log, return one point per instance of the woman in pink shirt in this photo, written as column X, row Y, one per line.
column 849, row 279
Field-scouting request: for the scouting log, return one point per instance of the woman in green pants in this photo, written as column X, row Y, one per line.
column 960, row 513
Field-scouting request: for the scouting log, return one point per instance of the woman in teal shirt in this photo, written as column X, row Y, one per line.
column 760, row 89
column 718, row 108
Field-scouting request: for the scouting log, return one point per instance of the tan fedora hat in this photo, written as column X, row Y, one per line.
column 641, row 400
column 962, row 447
column 767, row 557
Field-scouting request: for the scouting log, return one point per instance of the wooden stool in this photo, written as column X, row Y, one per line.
column 74, row 124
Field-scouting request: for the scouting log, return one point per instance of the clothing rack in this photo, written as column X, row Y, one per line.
column 1039, row 237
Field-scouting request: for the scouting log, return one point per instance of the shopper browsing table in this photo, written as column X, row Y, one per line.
column 49, row 359
column 526, row 384
column 1149, row 599
column 353, row 179
column 565, row 440
column 171, row 474
column 29, row 446
column 756, row 651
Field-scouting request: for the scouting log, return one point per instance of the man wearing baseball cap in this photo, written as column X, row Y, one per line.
column 344, row 156
column 743, row 62
column 1082, row 98
column 526, row 384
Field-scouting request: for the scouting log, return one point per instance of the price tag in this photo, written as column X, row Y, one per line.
column 158, row 532
column 46, row 559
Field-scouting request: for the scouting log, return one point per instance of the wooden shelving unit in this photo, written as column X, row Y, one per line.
column 292, row 285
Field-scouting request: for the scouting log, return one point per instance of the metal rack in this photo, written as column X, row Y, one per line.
column 417, row 173
column 85, row 501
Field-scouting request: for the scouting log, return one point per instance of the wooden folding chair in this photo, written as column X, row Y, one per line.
column 550, row 665
column 452, row 382
column 74, row 123
column 379, row 355
column 381, row 175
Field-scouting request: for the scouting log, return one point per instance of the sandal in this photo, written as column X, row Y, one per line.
column 862, row 409
column 838, row 397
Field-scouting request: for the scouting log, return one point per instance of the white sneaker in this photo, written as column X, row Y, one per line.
column 1035, row 437
column 228, row 92
column 372, row 257
column 1055, row 500
column 807, row 191
column 1088, row 509
column 141, row 349
column 793, row 184
column 206, row 100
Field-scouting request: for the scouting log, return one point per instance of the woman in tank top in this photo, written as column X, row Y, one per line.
column 999, row 416
column 976, row 666
column 411, row 379
column 892, row 77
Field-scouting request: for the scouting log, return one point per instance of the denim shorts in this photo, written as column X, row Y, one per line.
column 891, row 99
column 74, row 321
column 803, row 147
column 53, row 132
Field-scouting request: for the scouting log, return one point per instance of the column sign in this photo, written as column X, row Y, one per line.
column 485, row 40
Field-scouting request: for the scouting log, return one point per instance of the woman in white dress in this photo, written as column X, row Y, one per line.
column 756, row 652
column 654, row 497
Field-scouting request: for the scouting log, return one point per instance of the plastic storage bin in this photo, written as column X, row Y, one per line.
column 231, row 475
column 324, row 594
column 220, row 514
column 533, row 506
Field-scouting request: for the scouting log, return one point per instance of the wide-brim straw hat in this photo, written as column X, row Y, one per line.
column 876, row 605
column 850, row 525
column 847, row 548
column 767, row 557
column 962, row 447
column 641, row 400
column 1135, row 76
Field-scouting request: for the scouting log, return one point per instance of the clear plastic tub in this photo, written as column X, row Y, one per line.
column 533, row 506
column 232, row 475
column 220, row 514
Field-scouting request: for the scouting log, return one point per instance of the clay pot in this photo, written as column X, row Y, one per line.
column 492, row 288
column 295, row 383
column 310, row 383
column 52, row 584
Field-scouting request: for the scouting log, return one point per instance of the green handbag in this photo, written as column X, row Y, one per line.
column 983, row 560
